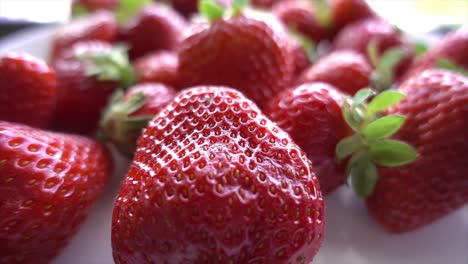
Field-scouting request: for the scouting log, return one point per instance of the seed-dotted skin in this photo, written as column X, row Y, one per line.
column 48, row 183
column 248, row 52
column 409, row 197
column 28, row 90
column 311, row 114
column 214, row 181
column 347, row 70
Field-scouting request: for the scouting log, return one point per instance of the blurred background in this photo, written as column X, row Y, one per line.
column 413, row 16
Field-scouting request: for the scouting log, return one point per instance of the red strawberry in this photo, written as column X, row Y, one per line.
column 347, row 70
column 49, row 182
column 81, row 97
column 160, row 67
column 358, row 35
column 453, row 48
column 300, row 16
column 28, row 90
column 98, row 26
column 265, row 4
column 213, row 180
column 345, row 12
column 94, row 5
column 436, row 184
column 155, row 28
column 190, row 7
column 128, row 114
column 251, row 53
column 311, row 114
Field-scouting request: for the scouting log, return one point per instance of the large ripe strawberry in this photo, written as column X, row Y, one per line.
column 49, row 182
column 407, row 198
column 311, row 114
column 98, row 26
column 249, row 52
column 154, row 28
column 160, row 67
column 345, row 12
column 214, row 181
column 358, row 35
column 82, row 94
column 347, row 70
column 300, row 16
column 28, row 90
column 453, row 47
column 127, row 114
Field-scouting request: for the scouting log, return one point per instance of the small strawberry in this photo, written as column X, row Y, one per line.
column 98, row 26
column 28, row 90
column 358, row 35
column 249, row 52
column 436, row 124
column 128, row 114
column 300, row 16
column 155, row 27
column 347, row 70
column 453, row 48
column 345, row 12
column 160, row 67
column 213, row 180
column 84, row 87
column 311, row 114
column 49, row 182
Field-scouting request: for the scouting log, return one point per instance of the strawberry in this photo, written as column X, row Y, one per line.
column 98, row 26
column 28, row 89
column 82, row 95
column 347, row 70
column 190, row 7
column 300, row 16
column 265, row 4
column 358, row 35
column 155, row 27
column 311, row 114
column 213, row 180
column 345, row 12
column 160, row 67
column 249, row 52
column 453, row 48
column 129, row 113
column 415, row 195
column 49, row 183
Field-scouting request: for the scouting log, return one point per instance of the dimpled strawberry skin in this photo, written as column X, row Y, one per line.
column 436, row 107
column 311, row 114
column 48, row 183
column 214, row 181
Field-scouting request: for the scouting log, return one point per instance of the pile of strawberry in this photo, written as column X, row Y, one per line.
column 238, row 121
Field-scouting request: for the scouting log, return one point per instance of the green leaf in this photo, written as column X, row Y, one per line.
column 347, row 146
column 390, row 58
column 128, row 8
column 361, row 96
column 210, row 9
column 449, row 65
column 392, row 153
column 78, row 10
column 322, row 13
column 238, row 6
column 348, row 114
column 384, row 127
column 373, row 52
column 420, row 48
column 364, row 177
column 383, row 101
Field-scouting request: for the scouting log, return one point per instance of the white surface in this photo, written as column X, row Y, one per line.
column 351, row 236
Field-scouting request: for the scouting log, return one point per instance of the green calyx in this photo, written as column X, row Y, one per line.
column 129, row 8
column 213, row 11
column 118, row 126
column 371, row 144
column 322, row 13
column 449, row 65
column 113, row 65
column 79, row 10
column 383, row 77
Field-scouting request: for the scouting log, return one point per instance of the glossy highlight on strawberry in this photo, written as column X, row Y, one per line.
column 214, row 181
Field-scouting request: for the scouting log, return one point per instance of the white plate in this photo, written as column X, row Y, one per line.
column 351, row 236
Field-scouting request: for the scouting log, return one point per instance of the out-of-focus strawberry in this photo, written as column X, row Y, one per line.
column 188, row 8
column 127, row 114
column 98, row 26
column 159, row 67
column 213, row 180
column 49, row 182
column 154, row 28
column 345, row 12
column 311, row 115
column 347, row 70
column 28, row 90
column 250, row 52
